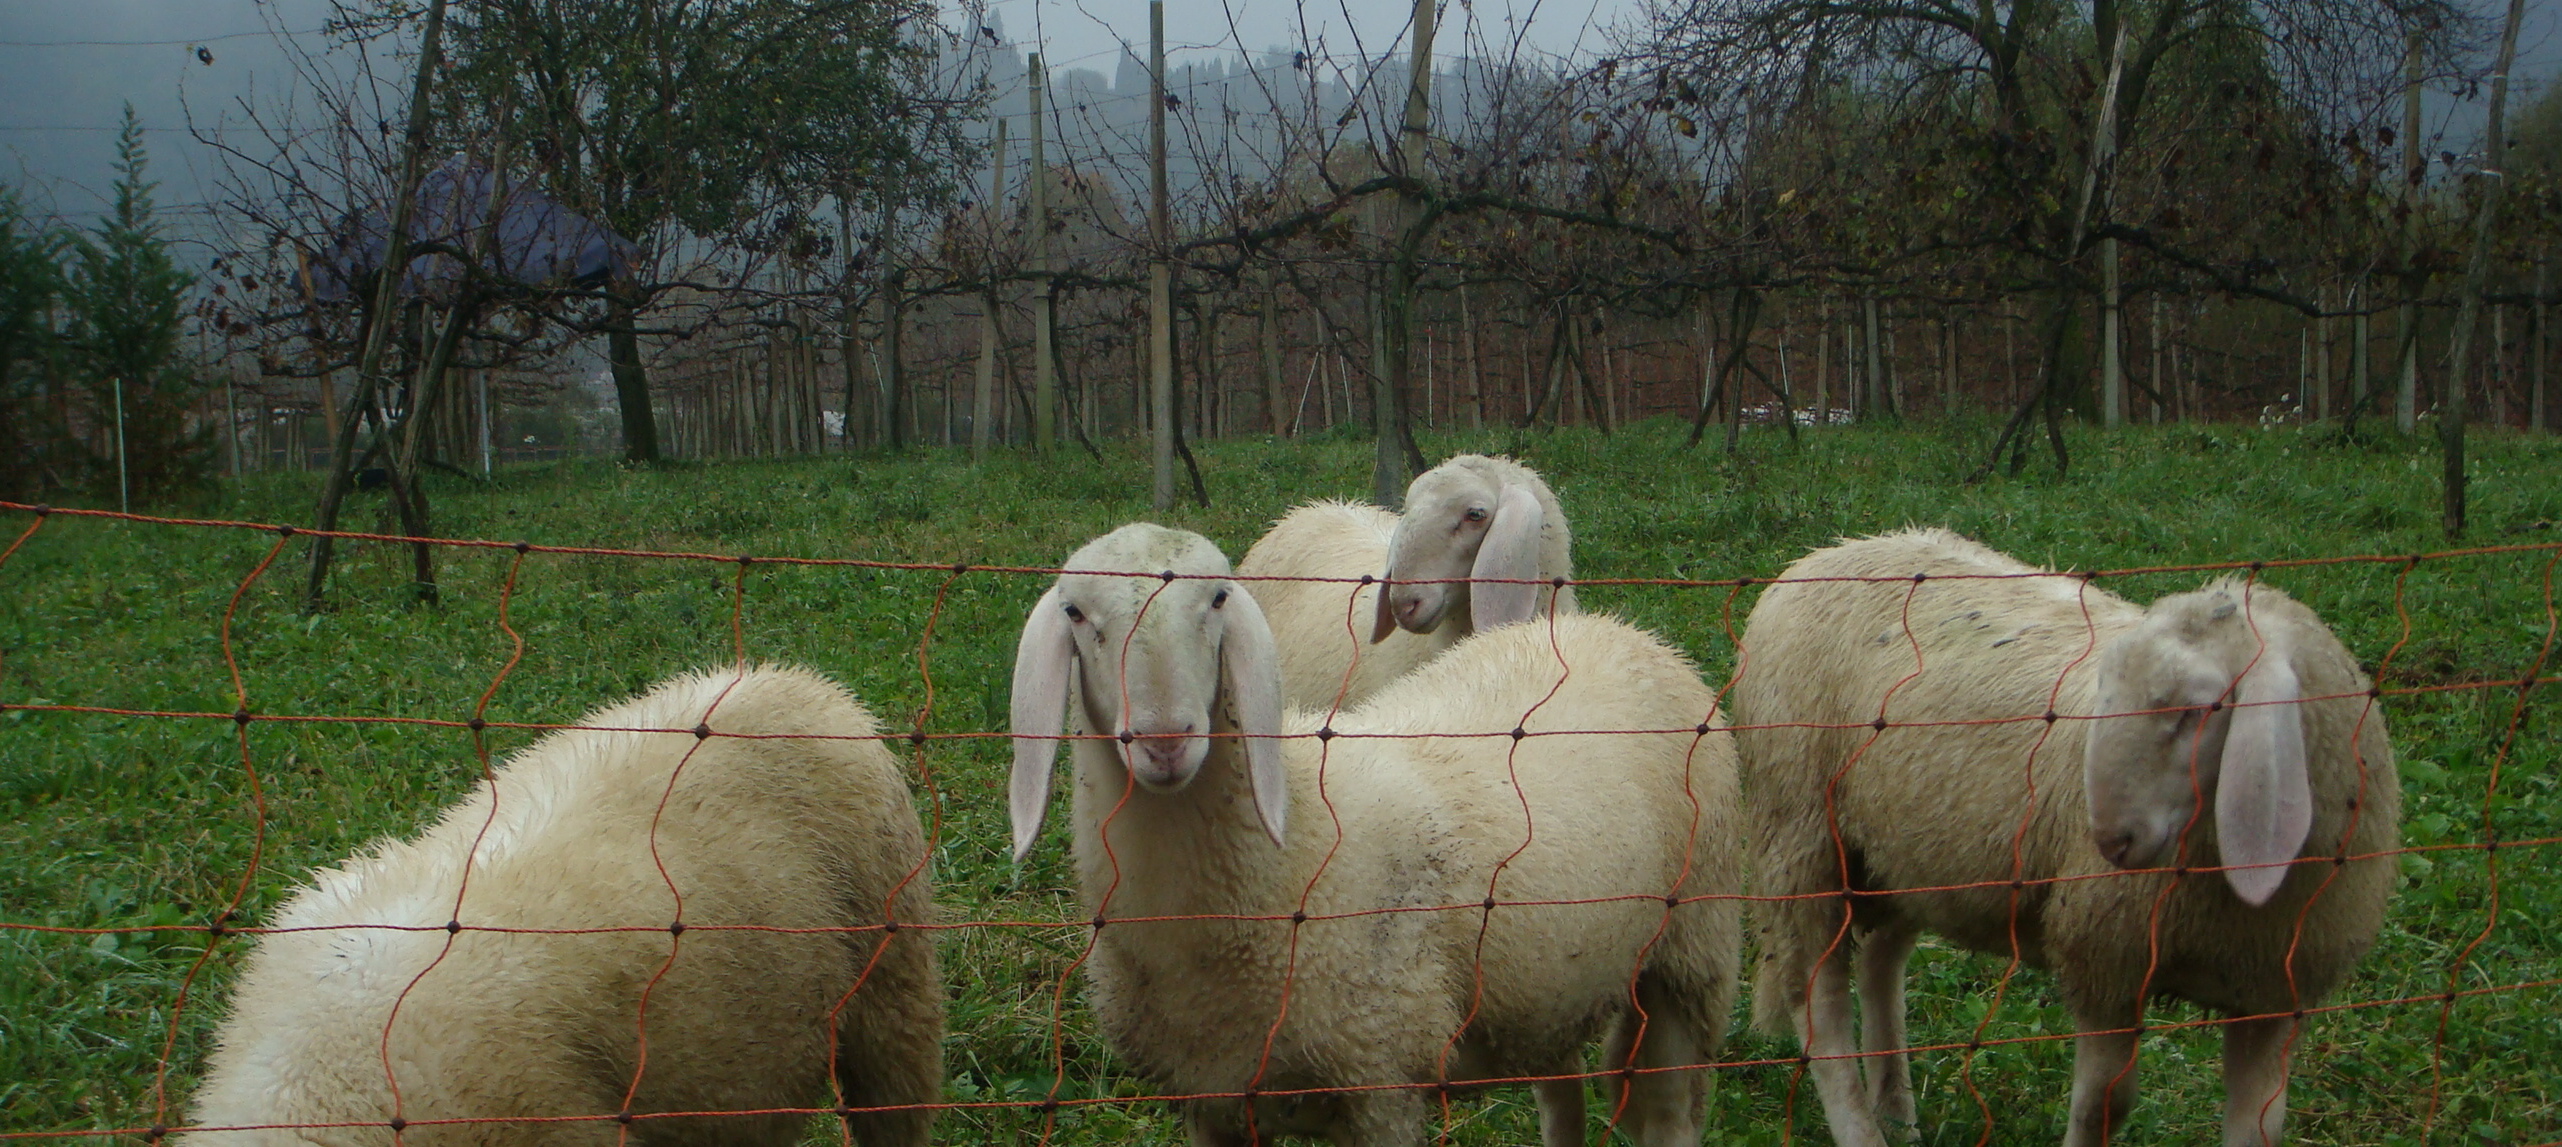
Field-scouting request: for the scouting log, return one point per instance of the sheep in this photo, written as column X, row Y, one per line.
column 1470, row 517
column 361, row 974
column 2232, row 694
column 1402, row 974
column 1318, row 621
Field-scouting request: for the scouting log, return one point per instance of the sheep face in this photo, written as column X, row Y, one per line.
column 1150, row 660
column 2196, row 702
column 1461, row 521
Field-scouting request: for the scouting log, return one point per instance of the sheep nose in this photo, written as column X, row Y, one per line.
column 1166, row 748
column 1409, row 606
column 2115, row 844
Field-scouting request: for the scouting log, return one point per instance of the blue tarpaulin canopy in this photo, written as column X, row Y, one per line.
column 537, row 240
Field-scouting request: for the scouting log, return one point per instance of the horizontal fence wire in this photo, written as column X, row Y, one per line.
column 916, row 737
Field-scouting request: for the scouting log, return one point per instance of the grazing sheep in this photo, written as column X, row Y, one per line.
column 2233, row 691
column 774, row 831
column 1470, row 517
column 1389, row 845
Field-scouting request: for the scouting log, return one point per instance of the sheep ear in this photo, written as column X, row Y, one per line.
column 1510, row 551
column 2263, row 803
column 1383, row 619
column 1041, row 663
column 1253, row 668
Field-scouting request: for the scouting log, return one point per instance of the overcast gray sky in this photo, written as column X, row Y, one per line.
column 67, row 66
column 1092, row 31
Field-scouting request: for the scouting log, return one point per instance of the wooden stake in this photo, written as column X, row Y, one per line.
column 1160, row 277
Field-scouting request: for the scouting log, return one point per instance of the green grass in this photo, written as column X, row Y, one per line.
column 123, row 823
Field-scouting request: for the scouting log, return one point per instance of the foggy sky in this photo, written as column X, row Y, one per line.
column 61, row 89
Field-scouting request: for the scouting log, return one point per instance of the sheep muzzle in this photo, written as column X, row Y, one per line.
column 1164, row 762
column 1419, row 608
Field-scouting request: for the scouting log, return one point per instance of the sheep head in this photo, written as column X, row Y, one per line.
column 2200, row 700
column 1150, row 659
column 1470, row 517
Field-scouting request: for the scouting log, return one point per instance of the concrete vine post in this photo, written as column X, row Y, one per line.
column 1160, row 278
column 1045, row 379
column 983, row 403
column 2415, row 166
column 1397, row 459
column 2477, row 269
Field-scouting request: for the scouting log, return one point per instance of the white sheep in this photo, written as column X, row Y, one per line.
column 1470, row 517
column 779, row 830
column 1205, row 823
column 2233, row 691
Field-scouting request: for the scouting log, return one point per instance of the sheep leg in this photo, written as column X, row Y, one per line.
column 1392, row 1118
column 2255, row 1081
column 1824, row 1030
column 1561, row 1105
column 1882, row 954
column 1211, row 1124
column 1660, row 1108
column 2103, row 1076
column 889, row 1049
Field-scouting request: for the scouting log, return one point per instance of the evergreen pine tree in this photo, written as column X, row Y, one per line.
column 126, row 299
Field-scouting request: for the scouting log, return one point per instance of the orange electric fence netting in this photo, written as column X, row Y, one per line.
column 1726, row 594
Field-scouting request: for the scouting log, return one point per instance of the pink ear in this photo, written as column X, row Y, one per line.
column 1253, row 666
column 1041, row 663
column 1510, row 551
column 2263, row 801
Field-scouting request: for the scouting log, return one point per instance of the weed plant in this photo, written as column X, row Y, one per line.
column 124, row 823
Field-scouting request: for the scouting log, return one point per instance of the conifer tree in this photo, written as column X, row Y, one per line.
column 125, row 298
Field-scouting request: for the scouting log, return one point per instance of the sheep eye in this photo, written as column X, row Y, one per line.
column 1476, row 513
column 1218, row 599
column 1075, row 614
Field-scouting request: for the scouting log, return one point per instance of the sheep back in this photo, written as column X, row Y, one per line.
column 1322, row 627
column 778, row 833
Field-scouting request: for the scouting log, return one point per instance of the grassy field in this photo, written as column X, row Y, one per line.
column 121, row 823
